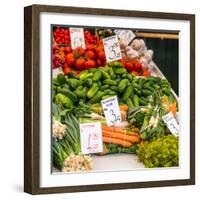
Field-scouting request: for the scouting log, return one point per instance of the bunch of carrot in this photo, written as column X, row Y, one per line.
column 119, row 136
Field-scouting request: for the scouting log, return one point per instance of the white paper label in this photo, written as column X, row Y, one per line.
column 111, row 110
column 171, row 123
column 127, row 35
column 112, row 48
column 91, row 138
column 77, row 37
column 57, row 71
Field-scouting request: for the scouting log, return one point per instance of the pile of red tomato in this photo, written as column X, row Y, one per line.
column 76, row 60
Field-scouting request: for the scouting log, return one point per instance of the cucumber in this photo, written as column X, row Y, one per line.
column 61, row 79
column 96, row 98
column 81, row 101
column 146, row 92
column 63, row 100
column 105, row 75
column 114, row 88
column 103, row 87
column 128, row 92
column 112, row 73
column 93, row 70
column 129, row 103
column 107, row 96
column 120, row 70
column 107, row 91
column 82, row 74
column 68, row 93
column 93, row 90
column 88, row 82
column 66, row 86
column 86, row 76
column 97, row 75
column 109, row 82
column 78, row 91
column 122, row 85
column 136, row 100
column 74, row 83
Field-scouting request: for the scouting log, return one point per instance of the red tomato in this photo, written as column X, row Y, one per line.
column 66, row 70
column 99, row 63
column 137, row 66
column 90, row 55
column 68, row 50
column 70, row 59
column 75, row 72
column 129, row 66
column 145, row 73
column 101, row 55
column 90, row 47
column 90, row 64
column 80, row 64
column 134, row 73
column 79, row 51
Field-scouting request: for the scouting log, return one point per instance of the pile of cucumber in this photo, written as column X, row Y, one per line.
column 95, row 84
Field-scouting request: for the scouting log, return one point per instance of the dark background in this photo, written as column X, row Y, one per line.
column 166, row 58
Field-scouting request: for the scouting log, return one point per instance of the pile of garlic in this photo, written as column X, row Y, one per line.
column 59, row 130
column 137, row 50
column 78, row 163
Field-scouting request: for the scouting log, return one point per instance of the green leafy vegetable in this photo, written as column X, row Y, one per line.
column 160, row 152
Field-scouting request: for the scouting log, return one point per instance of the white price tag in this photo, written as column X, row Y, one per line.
column 57, row 71
column 127, row 35
column 77, row 37
column 112, row 48
column 91, row 138
column 111, row 110
column 171, row 123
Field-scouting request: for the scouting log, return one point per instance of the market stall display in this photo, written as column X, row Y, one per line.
column 83, row 78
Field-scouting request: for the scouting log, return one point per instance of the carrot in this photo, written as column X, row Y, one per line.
column 100, row 109
column 130, row 138
column 116, row 141
column 97, row 109
column 117, row 129
column 172, row 108
column 123, row 107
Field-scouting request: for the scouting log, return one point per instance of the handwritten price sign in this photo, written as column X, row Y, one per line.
column 127, row 35
column 91, row 138
column 171, row 123
column 112, row 48
column 77, row 37
column 111, row 110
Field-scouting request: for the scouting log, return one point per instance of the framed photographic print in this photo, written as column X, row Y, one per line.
column 109, row 99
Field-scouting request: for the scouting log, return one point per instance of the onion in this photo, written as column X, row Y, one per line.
column 136, row 44
column 148, row 55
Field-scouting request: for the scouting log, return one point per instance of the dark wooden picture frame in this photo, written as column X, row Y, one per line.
column 32, row 94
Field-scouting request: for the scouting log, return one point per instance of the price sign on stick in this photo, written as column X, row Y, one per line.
column 112, row 48
column 111, row 110
column 171, row 123
column 77, row 37
column 91, row 138
column 127, row 35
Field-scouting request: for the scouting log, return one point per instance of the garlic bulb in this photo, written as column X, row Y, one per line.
column 58, row 130
column 123, row 43
column 136, row 44
column 148, row 55
column 132, row 54
column 78, row 163
column 144, row 62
